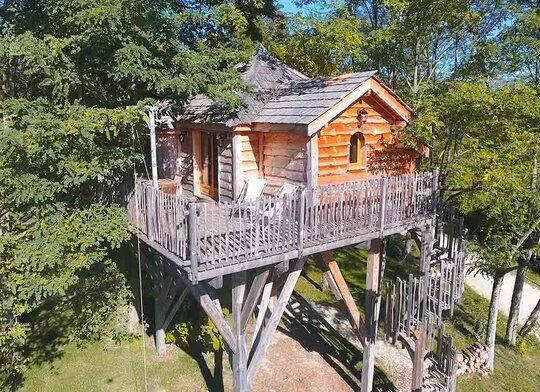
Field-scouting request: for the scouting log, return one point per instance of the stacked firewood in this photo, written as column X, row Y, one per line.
column 473, row 359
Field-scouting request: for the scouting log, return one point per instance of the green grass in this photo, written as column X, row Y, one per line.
column 515, row 369
column 106, row 366
column 533, row 277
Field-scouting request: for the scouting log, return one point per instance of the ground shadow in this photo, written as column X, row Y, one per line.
column 213, row 380
column 305, row 325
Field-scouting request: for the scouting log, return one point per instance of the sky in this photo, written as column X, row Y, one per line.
column 288, row 5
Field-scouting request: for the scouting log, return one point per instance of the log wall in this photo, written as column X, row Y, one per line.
column 250, row 155
column 167, row 155
column 285, row 159
column 225, row 170
column 384, row 153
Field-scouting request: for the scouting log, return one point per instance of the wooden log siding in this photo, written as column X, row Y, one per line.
column 241, row 235
column 250, row 155
column 284, row 159
column 225, row 167
column 334, row 142
column 167, row 154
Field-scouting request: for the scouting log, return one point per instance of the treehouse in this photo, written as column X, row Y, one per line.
column 292, row 129
column 237, row 202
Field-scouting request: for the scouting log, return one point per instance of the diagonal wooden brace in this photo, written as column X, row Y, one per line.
column 357, row 323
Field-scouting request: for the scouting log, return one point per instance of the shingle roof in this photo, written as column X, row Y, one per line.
column 304, row 101
column 281, row 95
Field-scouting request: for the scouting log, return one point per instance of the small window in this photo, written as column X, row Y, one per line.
column 357, row 150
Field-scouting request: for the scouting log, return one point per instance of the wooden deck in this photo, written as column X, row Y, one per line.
column 207, row 240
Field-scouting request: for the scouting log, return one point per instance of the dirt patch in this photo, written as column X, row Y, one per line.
column 289, row 367
column 392, row 360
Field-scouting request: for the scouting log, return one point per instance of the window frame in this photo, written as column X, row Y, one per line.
column 361, row 152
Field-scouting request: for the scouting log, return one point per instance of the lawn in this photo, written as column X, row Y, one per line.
column 106, row 366
column 515, row 369
column 533, row 276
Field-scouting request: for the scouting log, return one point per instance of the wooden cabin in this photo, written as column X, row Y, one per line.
column 307, row 132
column 333, row 138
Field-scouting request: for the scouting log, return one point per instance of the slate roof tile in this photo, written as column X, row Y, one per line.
column 281, row 95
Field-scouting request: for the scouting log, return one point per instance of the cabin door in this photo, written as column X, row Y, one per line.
column 209, row 164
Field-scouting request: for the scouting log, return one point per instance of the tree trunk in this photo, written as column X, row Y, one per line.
column 511, row 326
column 492, row 319
column 531, row 321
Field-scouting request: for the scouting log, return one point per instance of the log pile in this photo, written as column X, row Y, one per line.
column 473, row 359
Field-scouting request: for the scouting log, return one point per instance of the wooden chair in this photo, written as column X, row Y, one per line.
column 286, row 189
column 252, row 190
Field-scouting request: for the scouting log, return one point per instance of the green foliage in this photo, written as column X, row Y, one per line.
column 115, row 53
column 415, row 44
column 486, row 143
column 61, row 167
column 194, row 328
column 315, row 45
column 74, row 74
column 521, row 44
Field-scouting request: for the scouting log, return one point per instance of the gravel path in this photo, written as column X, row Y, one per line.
column 483, row 286
column 394, row 361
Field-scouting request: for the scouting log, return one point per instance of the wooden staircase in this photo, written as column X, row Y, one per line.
column 415, row 308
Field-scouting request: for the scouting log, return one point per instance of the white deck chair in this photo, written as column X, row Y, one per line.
column 252, row 190
column 285, row 189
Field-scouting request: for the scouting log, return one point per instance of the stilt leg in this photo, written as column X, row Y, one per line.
column 239, row 358
column 267, row 332
column 159, row 312
column 371, row 310
column 418, row 363
column 343, row 294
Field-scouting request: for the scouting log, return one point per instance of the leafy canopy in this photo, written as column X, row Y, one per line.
column 74, row 73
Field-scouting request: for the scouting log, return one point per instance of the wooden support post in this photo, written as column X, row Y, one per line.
column 253, row 295
column 151, row 122
column 347, row 299
column 371, row 300
column 174, row 308
column 312, row 166
column 263, row 306
column 329, row 282
column 159, row 311
column 418, row 362
column 382, row 213
column 239, row 358
column 267, row 332
column 420, row 334
column 192, row 227
column 238, row 180
column 301, row 219
column 215, row 313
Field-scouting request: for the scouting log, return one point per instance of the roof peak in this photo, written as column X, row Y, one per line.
column 261, row 51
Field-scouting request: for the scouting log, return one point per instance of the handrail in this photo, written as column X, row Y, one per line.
column 208, row 236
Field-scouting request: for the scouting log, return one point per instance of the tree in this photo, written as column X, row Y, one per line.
column 73, row 75
column 414, row 44
column 521, row 43
column 318, row 45
column 485, row 141
column 531, row 321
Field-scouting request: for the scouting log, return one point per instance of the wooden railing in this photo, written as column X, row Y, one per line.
column 161, row 217
column 210, row 236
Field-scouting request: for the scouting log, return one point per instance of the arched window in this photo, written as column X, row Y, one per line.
column 357, row 150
